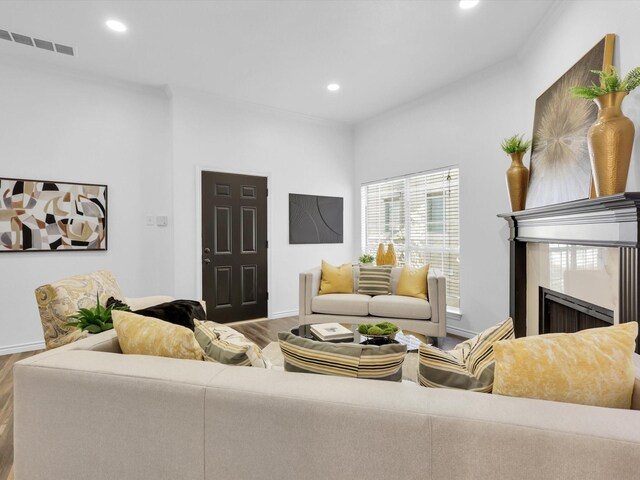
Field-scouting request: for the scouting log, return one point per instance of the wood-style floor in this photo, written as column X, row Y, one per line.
column 262, row 332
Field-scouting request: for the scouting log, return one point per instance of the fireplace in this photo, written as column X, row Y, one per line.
column 607, row 227
column 561, row 313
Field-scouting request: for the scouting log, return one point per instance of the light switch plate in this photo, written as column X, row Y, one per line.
column 162, row 221
column 151, row 221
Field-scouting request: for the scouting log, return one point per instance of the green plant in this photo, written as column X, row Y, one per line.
column 366, row 258
column 94, row 320
column 515, row 144
column 384, row 328
column 609, row 82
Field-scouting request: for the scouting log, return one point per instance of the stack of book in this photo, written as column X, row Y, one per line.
column 331, row 332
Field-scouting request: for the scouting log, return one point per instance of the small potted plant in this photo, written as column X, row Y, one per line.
column 96, row 319
column 517, row 174
column 366, row 259
column 610, row 138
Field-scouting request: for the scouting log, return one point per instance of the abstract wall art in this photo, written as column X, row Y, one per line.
column 315, row 219
column 40, row 215
column 560, row 165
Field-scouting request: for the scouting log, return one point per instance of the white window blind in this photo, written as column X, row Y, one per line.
column 420, row 215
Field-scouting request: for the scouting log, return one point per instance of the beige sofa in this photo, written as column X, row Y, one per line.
column 422, row 316
column 85, row 411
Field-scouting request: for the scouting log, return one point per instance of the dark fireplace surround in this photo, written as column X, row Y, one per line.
column 611, row 221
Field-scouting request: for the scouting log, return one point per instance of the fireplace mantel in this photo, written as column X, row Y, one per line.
column 611, row 221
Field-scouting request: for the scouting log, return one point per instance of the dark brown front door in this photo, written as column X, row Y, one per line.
column 234, row 246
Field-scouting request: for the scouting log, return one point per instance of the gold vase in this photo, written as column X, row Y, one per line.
column 380, row 255
column 610, row 141
column 390, row 256
column 517, row 182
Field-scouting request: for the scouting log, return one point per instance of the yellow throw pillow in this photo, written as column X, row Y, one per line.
column 590, row 367
column 413, row 282
column 336, row 279
column 141, row 335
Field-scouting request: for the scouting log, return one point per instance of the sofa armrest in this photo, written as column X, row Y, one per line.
column 309, row 287
column 635, row 399
column 437, row 288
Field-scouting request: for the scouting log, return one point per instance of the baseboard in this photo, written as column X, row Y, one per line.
column 22, row 347
column 461, row 332
column 288, row 313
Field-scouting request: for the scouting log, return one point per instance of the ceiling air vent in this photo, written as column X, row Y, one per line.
column 23, row 39
column 36, row 42
column 44, row 44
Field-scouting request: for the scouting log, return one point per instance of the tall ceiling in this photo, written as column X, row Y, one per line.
column 280, row 53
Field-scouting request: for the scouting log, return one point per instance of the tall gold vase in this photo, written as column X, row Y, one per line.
column 610, row 141
column 517, row 182
column 380, row 258
column 390, row 256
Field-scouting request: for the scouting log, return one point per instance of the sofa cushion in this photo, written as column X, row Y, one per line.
column 139, row 335
column 398, row 306
column 374, row 280
column 342, row 359
column 590, row 367
column 469, row 366
column 223, row 344
column 341, row 304
column 336, row 279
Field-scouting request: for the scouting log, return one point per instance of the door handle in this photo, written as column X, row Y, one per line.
column 207, row 260
column 207, row 250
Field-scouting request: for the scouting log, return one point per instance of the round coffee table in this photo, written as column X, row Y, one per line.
column 404, row 337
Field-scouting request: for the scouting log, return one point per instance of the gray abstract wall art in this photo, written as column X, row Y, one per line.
column 315, row 219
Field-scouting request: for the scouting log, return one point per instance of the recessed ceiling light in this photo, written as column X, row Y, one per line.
column 116, row 26
column 467, row 4
column 333, row 87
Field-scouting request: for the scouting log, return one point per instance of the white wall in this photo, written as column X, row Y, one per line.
column 299, row 154
column 462, row 125
column 57, row 127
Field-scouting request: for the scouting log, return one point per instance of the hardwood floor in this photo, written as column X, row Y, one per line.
column 262, row 332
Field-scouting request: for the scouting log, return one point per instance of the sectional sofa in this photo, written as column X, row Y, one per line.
column 428, row 317
column 86, row 411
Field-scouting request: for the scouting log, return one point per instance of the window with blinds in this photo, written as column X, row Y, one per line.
column 420, row 215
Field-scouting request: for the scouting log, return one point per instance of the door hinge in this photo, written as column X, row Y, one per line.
column 266, row 192
column 267, row 243
column 267, row 295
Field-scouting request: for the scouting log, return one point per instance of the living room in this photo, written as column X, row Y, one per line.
column 242, row 88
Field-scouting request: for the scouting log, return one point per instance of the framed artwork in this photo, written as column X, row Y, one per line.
column 315, row 219
column 42, row 216
column 560, row 165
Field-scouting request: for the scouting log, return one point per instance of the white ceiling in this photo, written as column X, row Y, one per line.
column 281, row 53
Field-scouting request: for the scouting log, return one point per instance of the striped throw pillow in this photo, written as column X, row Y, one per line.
column 342, row 359
column 469, row 366
column 374, row 281
column 223, row 344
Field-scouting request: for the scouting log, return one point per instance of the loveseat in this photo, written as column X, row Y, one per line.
column 86, row 411
column 428, row 317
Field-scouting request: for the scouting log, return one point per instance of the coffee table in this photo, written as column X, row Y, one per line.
column 403, row 337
